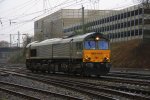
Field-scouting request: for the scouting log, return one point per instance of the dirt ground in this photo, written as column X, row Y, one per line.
column 131, row 54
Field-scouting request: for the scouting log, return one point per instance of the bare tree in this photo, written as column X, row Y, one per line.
column 145, row 3
column 4, row 44
column 27, row 40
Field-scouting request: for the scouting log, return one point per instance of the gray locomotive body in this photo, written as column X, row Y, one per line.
column 64, row 55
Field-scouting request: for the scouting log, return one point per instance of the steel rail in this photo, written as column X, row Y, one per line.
column 129, row 75
column 126, row 80
column 69, row 86
column 89, row 87
column 19, row 94
column 42, row 91
column 114, row 89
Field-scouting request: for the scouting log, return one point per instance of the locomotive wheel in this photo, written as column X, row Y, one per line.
column 32, row 67
column 48, row 69
column 97, row 75
column 84, row 71
column 44, row 68
column 38, row 67
column 64, row 67
column 53, row 68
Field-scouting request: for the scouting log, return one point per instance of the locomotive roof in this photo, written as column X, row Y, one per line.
column 61, row 40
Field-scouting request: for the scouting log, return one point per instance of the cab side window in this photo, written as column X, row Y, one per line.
column 33, row 52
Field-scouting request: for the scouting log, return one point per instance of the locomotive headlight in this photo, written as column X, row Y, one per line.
column 87, row 58
column 97, row 38
column 106, row 59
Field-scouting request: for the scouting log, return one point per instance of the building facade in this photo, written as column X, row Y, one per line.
column 120, row 25
column 53, row 26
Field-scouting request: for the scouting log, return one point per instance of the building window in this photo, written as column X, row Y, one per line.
column 110, row 18
column 132, row 23
column 118, row 35
column 107, row 28
column 132, row 13
column 105, row 20
column 128, row 33
column 102, row 29
column 102, row 21
column 118, row 25
column 125, row 24
column 140, row 31
column 113, row 27
column 125, row 34
column 115, row 35
column 121, row 25
column 140, row 21
column 128, row 24
column 113, row 17
column 121, row 34
column 128, row 13
column 125, row 15
column 110, row 27
column 136, row 12
column 136, row 22
column 140, row 11
column 121, row 16
column 132, row 33
column 136, row 32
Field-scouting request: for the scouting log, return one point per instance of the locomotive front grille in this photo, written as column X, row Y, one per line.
column 96, row 55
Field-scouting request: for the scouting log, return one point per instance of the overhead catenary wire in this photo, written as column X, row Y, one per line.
column 40, row 13
column 35, row 17
column 30, row 20
column 18, row 7
column 49, row 9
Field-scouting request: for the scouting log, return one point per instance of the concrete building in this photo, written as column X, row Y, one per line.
column 53, row 26
column 120, row 25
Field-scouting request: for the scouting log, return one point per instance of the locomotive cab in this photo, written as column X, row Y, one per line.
column 96, row 55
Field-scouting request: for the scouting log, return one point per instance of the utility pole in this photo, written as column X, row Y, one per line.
column 18, row 39
column 83, row 26
column 10, row 40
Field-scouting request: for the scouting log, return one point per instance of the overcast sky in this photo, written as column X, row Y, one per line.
column 19, row 15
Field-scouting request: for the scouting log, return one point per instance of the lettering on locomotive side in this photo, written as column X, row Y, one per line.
column 95, row 53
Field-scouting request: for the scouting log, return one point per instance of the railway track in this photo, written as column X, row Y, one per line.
column 129, row 75
column 19, row 94
column 111, row 77
column 126, row 80
column 67, row 85
column 105, row 91
column 100, row 91
column 20, row 90
column 22, row 95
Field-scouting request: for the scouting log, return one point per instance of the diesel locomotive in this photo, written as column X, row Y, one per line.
column 86, row 54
